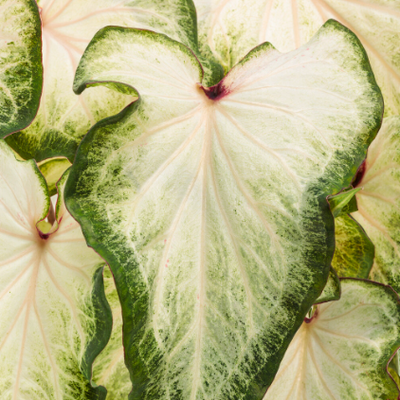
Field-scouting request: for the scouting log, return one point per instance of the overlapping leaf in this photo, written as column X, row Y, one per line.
column 54, row 316
column 68, row 26
column 379, row 202
column 343, row 351
column 332, row 289
column 20, row 64
column 109, row 367
column 230, row 28
column 210, row 203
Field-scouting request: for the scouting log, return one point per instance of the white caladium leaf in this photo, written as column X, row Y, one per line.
column 342, row 352
column 209, row 204
column 54, row 315
column 68, row 26
column 230, row 28
column 379, row 202
column 109, row 368
column 20, row 64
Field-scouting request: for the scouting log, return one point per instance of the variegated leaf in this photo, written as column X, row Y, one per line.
column 379, row 202
column 209, row 204
column 68, row 26
column 20, row 64
column 109, row 367
column 52, row 170
column 54, row 315
column 342, row 352
column 332, row 289
column 354, row 251
column 230, row 28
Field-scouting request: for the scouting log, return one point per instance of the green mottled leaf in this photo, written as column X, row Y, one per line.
column 228, row 29
column 379, row 202
column 20, row 64
column 343, row 202
column 54, row 315
column 63, row 118
column 52, row 170
column 344, row 350
column 354, row 251
column 209, row 204
column 331, row 290
column 109, row 367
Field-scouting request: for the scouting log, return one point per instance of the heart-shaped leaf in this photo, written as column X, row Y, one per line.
column 229, row 29
column 20, row 64
column 68, row 26
column 354, row 251
column 379, row 202
column 109, row 367
column 343, row 351
column 209, row 204
column 54, row 316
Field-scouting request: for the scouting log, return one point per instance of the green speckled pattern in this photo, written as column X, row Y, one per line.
column 212, row 214
column 109, row 367
column 379, row 202
column 332, row 289
column 228, row 29
column 354, row 251
column 20, row 64
column 343, row 352
column 54, row 315
column 63, row 118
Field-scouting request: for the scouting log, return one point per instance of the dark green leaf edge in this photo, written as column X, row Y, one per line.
column 96, row 235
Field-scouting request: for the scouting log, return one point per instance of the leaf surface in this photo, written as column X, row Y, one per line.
column 230, row 28
column 209, row 204
column 379, row 202
column 343, row 352
column 52, row 170
column 354, row 251
column 343, row 202
column 20, row 64
column 331, row 290
column 109, row 368
column 68, row 26
column 54, row 316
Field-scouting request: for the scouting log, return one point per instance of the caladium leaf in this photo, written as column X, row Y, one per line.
column 209, row 204
column 344, row 202
column 354, row 251
column 20, row 64
column 379, row 202
column 229, row 29
column 54, row 315
column 109, row 368
column 68, row 26
column 52, row 170
column 332, row 289
column 343, row 351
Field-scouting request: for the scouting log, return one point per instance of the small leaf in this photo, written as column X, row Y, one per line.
column 109, row 367
column 52, row 170
column 229, row 29
column 379, row 202
column 343, row 352
column 343, row 202
column 63, row 118
column 54, row 316
column 20, row 64
column 354, row 251
column 209, row 204
column 331, row 290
